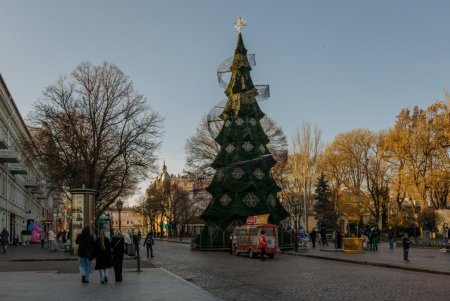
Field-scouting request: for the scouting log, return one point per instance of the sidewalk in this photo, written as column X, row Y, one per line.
column 150, row 284
column 44, row 284
column 421, row 260
column 34, row 252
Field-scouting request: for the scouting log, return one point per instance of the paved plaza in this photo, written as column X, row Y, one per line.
column 32, row 273
column 150, row 284
column 178, row 273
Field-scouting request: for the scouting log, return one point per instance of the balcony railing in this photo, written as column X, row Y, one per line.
column 39, row 193
column 40, row 196
column 17, row 169
column 8, row 156
column 31, row 182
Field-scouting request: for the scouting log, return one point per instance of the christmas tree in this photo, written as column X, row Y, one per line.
column 324, row 207
column 242, row 185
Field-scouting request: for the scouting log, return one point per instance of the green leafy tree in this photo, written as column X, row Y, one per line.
column 324, row 207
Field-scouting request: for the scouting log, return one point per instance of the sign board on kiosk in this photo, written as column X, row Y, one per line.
column 258, row 219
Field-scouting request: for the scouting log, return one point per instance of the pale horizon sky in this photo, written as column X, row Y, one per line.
column 337, row 64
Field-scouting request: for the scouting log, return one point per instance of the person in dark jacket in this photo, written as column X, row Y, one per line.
column 391, row 237
column 338, row 239
column 104, row 259
column 323, row 237
column 149, row 241
column 406, row 242
column 373, row 236
column 86, row 249
column 136, row 237
column 4, row 239
column 313, row 236
column 118, row 250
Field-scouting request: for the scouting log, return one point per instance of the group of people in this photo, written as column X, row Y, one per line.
column 107, row 253
column 371, row 239
column 320, row 237
column 53, row 240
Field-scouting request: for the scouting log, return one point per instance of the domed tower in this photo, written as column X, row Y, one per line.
column 163, row 179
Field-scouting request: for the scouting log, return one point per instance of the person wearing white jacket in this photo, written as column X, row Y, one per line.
column 51, row 236
column 128, row 241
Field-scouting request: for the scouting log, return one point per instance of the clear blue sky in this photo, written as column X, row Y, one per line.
column 338, row 64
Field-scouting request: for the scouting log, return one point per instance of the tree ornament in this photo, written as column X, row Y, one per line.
column 240, row 24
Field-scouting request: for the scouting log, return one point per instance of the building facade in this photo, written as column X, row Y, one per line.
column 23, row 193
column 180, row 218
column 131, row 219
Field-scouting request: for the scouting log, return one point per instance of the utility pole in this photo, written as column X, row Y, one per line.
column 305, row 210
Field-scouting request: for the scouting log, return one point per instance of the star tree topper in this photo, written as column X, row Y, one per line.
column 239, row 24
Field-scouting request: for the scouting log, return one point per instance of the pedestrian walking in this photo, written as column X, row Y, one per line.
column 128, row 241
column 118, row 250
column 415, row 231
column 366, row 243
column 313, row 236
column 42, row 238
column 445, row 231
column 86, row 252
column 62, row 238
column 262, row 244
column 104, row 259
column 136, row 237
column 4, row 239
column 338, row 239
column 406, row 242
column 323, row 237
column 391, row 237
column 149, row 242
column 51, row 236
column 373, row 237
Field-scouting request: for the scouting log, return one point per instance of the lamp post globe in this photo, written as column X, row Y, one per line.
column 119, row 205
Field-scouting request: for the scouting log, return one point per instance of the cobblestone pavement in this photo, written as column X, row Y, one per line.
column 421, row 258
column 294, row 278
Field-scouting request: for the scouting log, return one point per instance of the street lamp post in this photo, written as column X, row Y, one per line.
column 295, row 208
column 119, row 205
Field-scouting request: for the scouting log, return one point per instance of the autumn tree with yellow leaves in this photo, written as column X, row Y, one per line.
column 418, row 146
column 356, row 166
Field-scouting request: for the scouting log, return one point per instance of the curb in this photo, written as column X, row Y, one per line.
column 43, row 259
column 376, row 264
column 55, row 259
column 173, row 240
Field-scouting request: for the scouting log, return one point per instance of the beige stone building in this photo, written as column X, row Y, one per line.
column 130, row 220
column 24, row 193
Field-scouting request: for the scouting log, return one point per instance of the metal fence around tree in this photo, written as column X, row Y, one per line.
column 214, row 237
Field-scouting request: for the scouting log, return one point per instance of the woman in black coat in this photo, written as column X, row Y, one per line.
column 118, row 250
column 86, row 250
column 104, row 257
